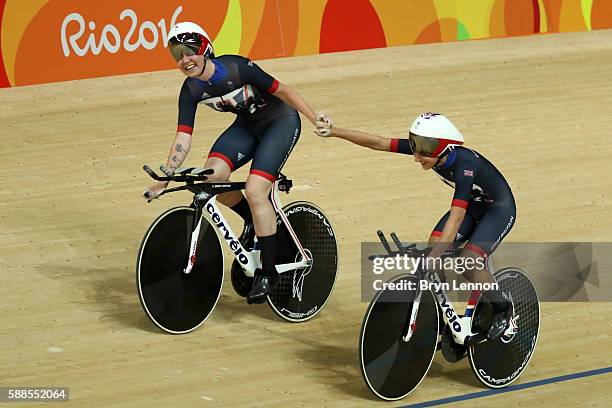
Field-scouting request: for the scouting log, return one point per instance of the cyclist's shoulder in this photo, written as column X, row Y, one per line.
column 190, row 88
column 458, row 156
column 470, row 157
column 466, row 153
column 231, row 59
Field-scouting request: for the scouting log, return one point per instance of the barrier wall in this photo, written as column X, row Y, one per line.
column 58, row 40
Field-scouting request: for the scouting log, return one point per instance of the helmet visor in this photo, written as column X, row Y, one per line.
column 181, row 50
column 425, row 146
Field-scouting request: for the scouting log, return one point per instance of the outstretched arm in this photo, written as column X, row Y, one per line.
column 364, row 139
column 369, row 140
column 253, row 74
column 295, row 100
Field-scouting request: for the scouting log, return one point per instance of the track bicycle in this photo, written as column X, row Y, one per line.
column 180, row 264
column 399, row 333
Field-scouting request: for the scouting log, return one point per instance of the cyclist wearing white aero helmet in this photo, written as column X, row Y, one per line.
column 266, row 128
column 482, row 210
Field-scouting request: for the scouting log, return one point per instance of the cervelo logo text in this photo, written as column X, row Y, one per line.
column 110, row 38
column 231, row 241
column 447, row 309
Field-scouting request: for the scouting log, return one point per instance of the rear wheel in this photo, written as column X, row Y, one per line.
column 302, row 293
column 498, row 363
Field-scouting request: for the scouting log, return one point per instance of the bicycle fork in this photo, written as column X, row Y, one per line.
column 193, row 243
column 411, row 324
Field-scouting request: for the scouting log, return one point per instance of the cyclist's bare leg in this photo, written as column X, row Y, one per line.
column 222, row 174
column 477, row 274
column 264, row 219
column 257, row 193
column 501, row 307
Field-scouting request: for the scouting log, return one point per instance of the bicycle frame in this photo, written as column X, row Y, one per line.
column 460, row 325
column 249, row 260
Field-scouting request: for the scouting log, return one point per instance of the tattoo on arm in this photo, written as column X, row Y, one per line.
column 179, row 154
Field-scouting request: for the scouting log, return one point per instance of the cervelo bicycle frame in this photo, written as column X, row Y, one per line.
column 249, row 260
column 461, row 327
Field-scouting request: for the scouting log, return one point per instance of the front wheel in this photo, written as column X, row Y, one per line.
column 302, row 293
column 177, row 302
column 392, row 367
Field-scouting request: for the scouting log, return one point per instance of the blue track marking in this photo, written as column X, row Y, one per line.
column 510, row 388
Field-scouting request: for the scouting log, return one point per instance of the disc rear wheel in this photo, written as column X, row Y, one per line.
column 302, row 293
column 498, row 363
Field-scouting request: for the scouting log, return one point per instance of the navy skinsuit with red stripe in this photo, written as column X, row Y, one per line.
column 479, row 188
column 265, row 130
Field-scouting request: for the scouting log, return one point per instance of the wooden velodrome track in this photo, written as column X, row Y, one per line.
column 71, row 221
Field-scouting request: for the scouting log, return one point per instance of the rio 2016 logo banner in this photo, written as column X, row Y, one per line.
column 145, row 35
column 58, row 40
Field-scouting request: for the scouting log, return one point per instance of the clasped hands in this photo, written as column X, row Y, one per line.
column 324, row 125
